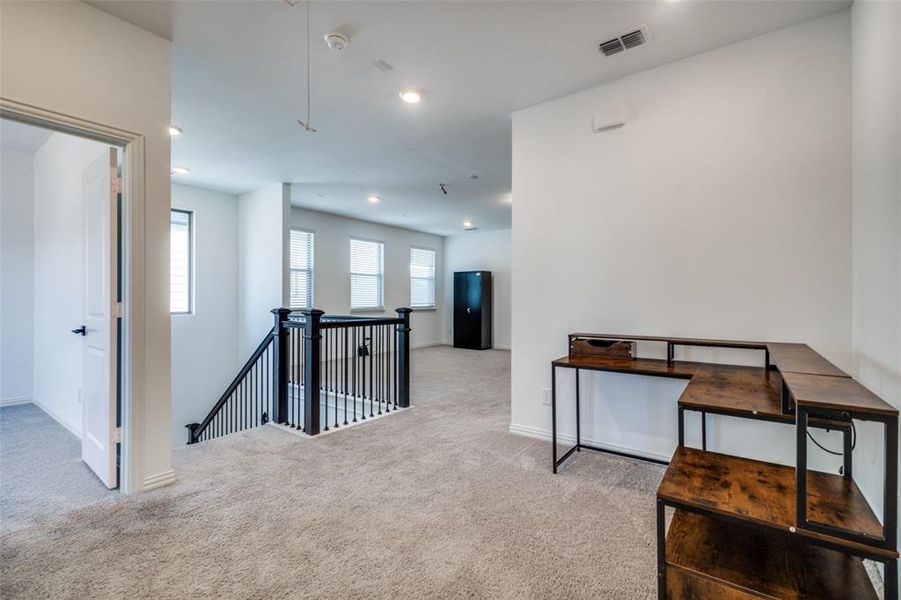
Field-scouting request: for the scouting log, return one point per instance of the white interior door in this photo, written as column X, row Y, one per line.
column 99, row 351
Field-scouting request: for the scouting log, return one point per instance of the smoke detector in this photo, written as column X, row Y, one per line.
column 336, row 40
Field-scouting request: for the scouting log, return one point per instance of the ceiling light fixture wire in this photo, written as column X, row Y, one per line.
column 306, row 125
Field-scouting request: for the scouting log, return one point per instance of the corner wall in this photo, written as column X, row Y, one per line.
column 262, row 262
column 205, row 342
column 17, row 284
column 721, row 209
column 876, row 164
column 480, row 251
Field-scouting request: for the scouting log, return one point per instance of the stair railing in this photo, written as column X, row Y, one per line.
column 316, row 372
column 247, row 400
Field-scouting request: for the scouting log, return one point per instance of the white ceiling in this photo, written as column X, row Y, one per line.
column 22, row 137
column 238, row 90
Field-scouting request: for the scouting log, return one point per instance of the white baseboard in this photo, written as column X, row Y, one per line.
column 493, row 347
column 56, row 417
column 15, row 401
column 545, row 435
column 425, row 345
column 159, row 480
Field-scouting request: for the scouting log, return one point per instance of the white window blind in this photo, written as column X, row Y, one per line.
column 367, row 273
column 180, row 259
column 422, row 278
column 301, row 269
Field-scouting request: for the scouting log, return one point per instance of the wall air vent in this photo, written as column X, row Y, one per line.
column 626, row 41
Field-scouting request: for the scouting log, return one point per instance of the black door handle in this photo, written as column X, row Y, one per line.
column 80, row 331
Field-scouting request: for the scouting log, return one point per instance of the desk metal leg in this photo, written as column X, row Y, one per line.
column 661, row 550
column 578, row 421
column 681, row 426
column 554, row 415
column 846, row 453
column 704, row 431
column 891, row 579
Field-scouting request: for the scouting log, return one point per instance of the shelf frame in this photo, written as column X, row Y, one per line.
column 890, row 492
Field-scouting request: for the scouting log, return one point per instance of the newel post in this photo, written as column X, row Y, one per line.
column 403, row 358
column 192, row 428
column 280, row 366
column 312, row 336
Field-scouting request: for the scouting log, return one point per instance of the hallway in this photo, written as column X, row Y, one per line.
column 438, row 501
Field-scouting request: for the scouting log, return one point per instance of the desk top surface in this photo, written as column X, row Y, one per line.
column 811, row 378
column 654, row 367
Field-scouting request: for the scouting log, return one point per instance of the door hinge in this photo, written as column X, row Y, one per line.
column 116, row 438
column 117, row 185
column 117, row 310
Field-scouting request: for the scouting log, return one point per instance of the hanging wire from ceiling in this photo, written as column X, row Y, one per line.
column 306, row 124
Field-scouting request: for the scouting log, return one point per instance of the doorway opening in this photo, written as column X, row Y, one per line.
column 61, row 318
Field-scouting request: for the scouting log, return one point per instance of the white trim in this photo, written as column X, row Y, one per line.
column 497, row 347
column 426, row 345
column 57, row 418
column 133, row 260
column 16, row 401
column 159, row 480
column 545, row 435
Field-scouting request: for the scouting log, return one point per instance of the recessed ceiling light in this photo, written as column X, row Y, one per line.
column 173, row 130
column 467, row 224
column 373, row 199
column 179, row 170
column 410, row 96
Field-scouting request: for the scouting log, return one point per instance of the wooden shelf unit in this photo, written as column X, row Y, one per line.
column 745, row 528
column 711, row 558
column 762, row 495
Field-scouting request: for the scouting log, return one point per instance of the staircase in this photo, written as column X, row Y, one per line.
column 314, row 373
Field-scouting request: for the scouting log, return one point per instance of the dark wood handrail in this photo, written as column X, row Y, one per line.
column 196, row 431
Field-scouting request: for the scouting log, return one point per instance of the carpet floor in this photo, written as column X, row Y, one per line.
column 438, row 501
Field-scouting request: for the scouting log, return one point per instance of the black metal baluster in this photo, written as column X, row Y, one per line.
column 328, row 341
column 345, row 376
column 337, row 373
column 371, row 375
column 354, row 373
column 378, row 366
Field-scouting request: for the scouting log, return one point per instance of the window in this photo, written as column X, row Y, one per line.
column 181, row 292
column 301, row 269
column 367, row 273
column 422, row 278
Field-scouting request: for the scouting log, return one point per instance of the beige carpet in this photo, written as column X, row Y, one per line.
column 439, row 501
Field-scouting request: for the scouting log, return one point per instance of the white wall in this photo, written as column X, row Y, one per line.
column 74, row 59
column 59, row 274
column 480, row 251
column 876, row 51
column 331, row 286
column 16, row 277
column 262, row 256
column 205, row 342
column 721, row 209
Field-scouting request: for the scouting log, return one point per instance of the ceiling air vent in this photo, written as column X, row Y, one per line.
column 626, row 41
column 632, row 39
column 611, row 47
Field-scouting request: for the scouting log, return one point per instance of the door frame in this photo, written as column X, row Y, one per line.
column 131, row 260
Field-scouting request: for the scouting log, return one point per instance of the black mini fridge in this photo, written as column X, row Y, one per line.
column 472, row 310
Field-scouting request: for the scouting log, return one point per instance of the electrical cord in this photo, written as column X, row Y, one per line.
column 827, row 450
